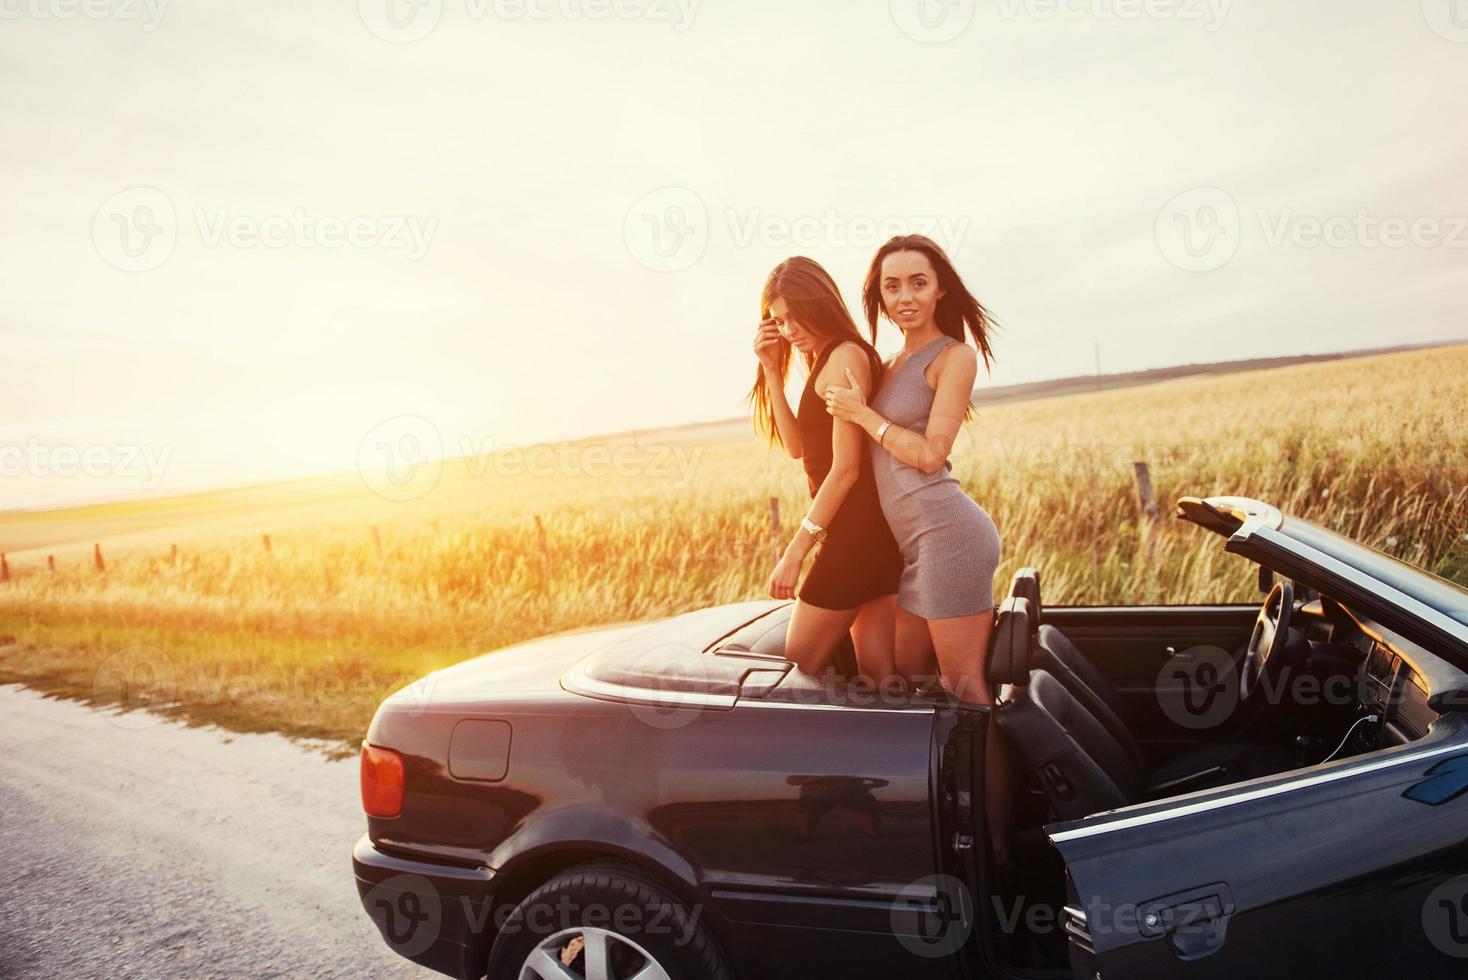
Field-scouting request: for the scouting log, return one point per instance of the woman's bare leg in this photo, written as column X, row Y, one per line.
column 914, row 657
column 962, row 647
column 874, row 635
column 814, row 634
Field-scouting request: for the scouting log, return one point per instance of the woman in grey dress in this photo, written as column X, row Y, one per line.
column 949, row 544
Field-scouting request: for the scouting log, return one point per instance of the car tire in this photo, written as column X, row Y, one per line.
column 617, row 907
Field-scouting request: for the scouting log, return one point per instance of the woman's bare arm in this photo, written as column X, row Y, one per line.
column 929, row 450
column 847, row 446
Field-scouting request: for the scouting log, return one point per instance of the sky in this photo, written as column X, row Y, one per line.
column 245, row 241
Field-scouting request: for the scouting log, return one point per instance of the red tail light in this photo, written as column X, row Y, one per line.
column 382, row 781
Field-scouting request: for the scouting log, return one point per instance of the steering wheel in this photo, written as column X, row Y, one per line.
column 1271, row 634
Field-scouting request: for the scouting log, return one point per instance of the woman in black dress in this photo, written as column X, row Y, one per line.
column 852, row 585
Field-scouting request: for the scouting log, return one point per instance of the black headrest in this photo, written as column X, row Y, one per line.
column 1026, row 585
column 1013, row 645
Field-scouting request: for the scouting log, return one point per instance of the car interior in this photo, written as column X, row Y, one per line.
column 1308, row 682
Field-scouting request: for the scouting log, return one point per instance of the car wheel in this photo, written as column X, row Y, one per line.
column 604, row 922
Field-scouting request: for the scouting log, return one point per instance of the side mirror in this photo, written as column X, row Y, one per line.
column 1266, row 580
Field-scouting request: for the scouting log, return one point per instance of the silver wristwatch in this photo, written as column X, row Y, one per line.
column 816, row 532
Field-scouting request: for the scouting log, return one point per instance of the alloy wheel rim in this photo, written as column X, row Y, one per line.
column 601, row 955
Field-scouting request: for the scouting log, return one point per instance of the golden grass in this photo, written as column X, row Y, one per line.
column 310, row 636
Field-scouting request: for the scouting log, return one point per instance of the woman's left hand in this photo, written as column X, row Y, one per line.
column 785, row 577
column 846, row 403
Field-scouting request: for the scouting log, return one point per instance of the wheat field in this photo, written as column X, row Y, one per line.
column 308, row 636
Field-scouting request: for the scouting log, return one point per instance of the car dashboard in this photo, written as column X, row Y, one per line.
column 1392, row 689
column 1404, row 685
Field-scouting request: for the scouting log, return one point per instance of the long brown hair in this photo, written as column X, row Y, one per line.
column 957, row 309
column 815, row 303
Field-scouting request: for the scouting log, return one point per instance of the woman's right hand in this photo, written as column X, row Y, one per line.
column 769, row 346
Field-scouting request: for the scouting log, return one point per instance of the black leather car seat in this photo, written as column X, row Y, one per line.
column 1063, row 662
column 1075, row 761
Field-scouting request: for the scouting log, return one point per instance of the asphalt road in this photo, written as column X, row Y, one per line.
column 132, row 846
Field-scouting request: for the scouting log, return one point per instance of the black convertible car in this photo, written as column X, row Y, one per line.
column 1193, row 791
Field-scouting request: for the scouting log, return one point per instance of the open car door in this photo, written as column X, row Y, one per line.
column 1355, row 868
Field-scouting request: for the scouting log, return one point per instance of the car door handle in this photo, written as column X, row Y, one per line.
column 1195, row 922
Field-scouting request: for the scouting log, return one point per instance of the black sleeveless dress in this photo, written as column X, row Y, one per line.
column 859, row 560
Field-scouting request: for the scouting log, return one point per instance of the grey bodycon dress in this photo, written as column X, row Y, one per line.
column 950, row 547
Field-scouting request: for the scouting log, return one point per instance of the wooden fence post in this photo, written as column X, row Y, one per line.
column 173, row 555
column 4, row 568
column 544, row 550
column 1149, row 574
column 775, row 527
column 51, row 564
column 97, row 558
column 265, row 540
column 1144, row 490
